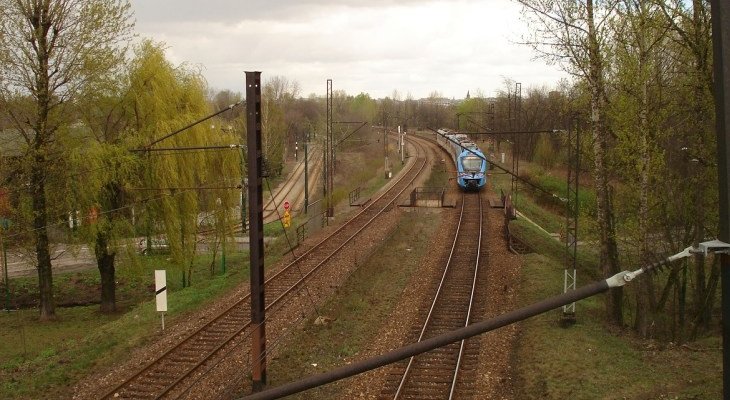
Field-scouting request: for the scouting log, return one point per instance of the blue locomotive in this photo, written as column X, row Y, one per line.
column 471, row 165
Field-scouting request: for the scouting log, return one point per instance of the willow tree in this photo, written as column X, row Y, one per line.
column 103, row 169
column 49, row 51
column 163, row 98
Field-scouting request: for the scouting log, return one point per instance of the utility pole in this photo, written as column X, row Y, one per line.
column 385, row 143
column 401, row 145
column 515, row 126
column 306, row 175
column 330, row 151
column 256, row 231
column 571, row 220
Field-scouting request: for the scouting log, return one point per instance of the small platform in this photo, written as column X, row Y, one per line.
column 496, row 203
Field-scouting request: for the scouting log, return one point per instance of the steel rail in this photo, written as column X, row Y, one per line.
column 346, row 225
column 471, row 299
column 270, row 208
column 438, row 297
column 268, row 212
column 380, row 212
column 227, row 311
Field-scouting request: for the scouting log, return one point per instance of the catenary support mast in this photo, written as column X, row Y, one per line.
column 256, row 225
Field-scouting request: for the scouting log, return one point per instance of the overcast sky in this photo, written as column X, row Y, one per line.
column 374, row 46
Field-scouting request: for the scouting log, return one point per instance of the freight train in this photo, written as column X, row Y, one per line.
column 471, row 165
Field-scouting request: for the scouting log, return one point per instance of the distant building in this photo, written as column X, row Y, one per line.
column 438, row 101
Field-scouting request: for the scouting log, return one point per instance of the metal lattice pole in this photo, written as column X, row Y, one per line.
column 571, row 219
column 514, row 121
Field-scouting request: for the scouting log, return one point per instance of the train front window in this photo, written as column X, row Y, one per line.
column 472, row 164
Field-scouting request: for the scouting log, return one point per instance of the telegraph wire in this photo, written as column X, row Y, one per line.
column 169, row 135
column 534, row 186
column 288, row 241
column 125, row 207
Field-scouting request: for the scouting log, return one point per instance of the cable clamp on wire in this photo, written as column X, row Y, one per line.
column 619, row 279
column 704, row 248
column 712, row 246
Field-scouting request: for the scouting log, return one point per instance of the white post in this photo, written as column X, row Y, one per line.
column 402, row 147
column 161, row 293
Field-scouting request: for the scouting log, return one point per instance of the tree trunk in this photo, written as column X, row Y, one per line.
column 703, row 315
column 104, row 257
column 43, row 254
column 41, row 22
column 609, row 252
column 105, row 263
column 645, row 300
column 708, row 302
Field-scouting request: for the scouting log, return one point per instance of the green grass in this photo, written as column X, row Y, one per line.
column 549, row 214
column 439, row 176
column 41, row 359
column 588, row 360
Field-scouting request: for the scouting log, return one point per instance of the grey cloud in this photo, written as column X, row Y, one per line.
column 151, row 12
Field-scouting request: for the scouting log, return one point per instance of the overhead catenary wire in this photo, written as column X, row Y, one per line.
column 115, row 210
column 288, row 241
column 186, row 127
column 148, row 150
column 180, row 149
column 153, row 152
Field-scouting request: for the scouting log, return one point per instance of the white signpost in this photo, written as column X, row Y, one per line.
column 161, row 293
column 402, row 146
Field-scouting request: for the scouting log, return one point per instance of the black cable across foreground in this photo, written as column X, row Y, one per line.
column 551, row 303
column 432, row 343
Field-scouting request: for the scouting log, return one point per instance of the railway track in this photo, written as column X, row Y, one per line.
column 166, row 376
column 438, row 374
column 286, row 190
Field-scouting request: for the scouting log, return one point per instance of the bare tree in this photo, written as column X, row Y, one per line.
column 574, row 34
